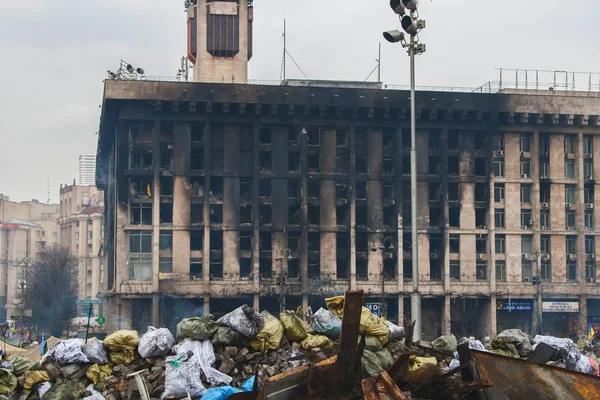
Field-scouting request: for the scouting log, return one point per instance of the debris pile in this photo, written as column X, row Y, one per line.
column 206, row 358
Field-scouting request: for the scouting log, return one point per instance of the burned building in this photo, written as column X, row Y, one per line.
column 218, row 195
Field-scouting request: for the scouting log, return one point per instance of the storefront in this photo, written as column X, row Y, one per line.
column 514, row 314
column 559, row 317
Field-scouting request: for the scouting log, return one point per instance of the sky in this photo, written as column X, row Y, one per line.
column 55, row 53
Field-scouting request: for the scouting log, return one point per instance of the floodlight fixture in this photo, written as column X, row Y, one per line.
column 140, row 71
column 410, row 4
column 393, row 36
column 130, row 68
column 409, row 25
column 398, row 7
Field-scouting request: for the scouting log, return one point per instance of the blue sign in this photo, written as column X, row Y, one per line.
column 518, row 305
column 375, row 308
column 88, row 302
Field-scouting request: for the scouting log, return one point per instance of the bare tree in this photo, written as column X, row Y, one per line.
column 51, row 289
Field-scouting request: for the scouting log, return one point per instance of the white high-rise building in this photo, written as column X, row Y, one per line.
column 87, row 170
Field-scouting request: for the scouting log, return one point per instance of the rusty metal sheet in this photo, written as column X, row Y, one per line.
column 520, row 379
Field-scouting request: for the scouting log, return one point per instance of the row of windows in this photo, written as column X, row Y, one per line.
column 526, row 189
column 527, row 219
column 544, row 145
column 525, row 168
column 526, row 244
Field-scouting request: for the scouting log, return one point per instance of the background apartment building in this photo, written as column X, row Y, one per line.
column 25, row 229
column 218, row 195
column 81, row 230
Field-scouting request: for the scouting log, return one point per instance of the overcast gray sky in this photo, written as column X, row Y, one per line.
column 55, row 53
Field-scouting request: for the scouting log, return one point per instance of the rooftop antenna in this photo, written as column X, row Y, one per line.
column 48, row 189
column 377, row 67
column 283, row 67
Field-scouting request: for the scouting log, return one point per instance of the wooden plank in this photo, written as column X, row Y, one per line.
column 369, row 388
column 396, row 367
column 392, row 388
column 350, row 323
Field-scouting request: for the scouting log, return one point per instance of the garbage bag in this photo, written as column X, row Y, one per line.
column 182, row 377
column 369, row 322
column 219, row 393
column 298, row 362
column 567, row 348
column 370, row 364
column 313, row 341
column 396, row 332
column 227, row 336
column 243, row 320
column 583, row 365
column 196, row 328
column 95, row 395
column 371, row 343
column 515, row 336
column 156, row 342
column 594, row 365
column 423, row 369
column 446, row 343
column 68, row 352
column 34, row 377
column 43, row 388
column 205, row 356
column 385, row 358
column 248, row 384
column 122, row 346
column 327, row 323
column 8, row 381
column 98, row 373
column 294, row 327
column 20, row 365
column 509, row 350
column 454, row 364
column 95, row 352
column 395, row 347
column 270, row 335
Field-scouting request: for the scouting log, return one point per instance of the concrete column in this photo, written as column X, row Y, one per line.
column 156, row 207
column 256, row 216
column 327, row 166
column 446, row 315
column 352, row 201
column 304, row 224
column 181, row 198
column 279, row 197
column 231, row 202
column 208, row 127
column 156, row 309
column 582, row 324
column 581, row 256
column 374, row 204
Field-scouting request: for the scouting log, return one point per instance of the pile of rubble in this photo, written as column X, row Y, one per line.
column 206, row 358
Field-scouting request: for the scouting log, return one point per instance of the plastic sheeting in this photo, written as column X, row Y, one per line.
column 94, row 394
column 568, row 351
column 243, row 320
column 270, row 335
column 204, row 354
column 327, row 323
column 156, row 342
column 196, row 328
column 68, row 352
column 96, row 352
column 182, row 377
column 43, row 388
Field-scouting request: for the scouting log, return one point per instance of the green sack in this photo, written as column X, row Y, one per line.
column 197, row 328
column 8, row 381
column 228, row 337
column 371, row 343
column 385, row 358
column 370, row 364
column 294, row 327
column 21, row 365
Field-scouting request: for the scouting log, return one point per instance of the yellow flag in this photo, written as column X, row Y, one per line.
column 149, row 191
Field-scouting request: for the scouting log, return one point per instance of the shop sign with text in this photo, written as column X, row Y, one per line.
column 560, row 306
column 514, row 305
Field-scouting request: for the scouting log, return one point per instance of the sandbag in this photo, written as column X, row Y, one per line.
column 243, row 320
column 68, row 352
column 446, row 343
column 196, row 328
column 369, row 322
column 8, row 381
column 20, row 365
column 95, row 352
column 98, row 373
column 396, row 332
column 156, row 342
column 294, row 327
column 422, row 370
column 182, row 377
column 508, row 350
column 313, row 341
column 370, row 364
column 205, row 357
column 516, row 337
column 122, row 346
column 395, row 347
column 327, row 323
column 227, row 336
column 371, row 343
column 34, row 377
column 385, row 358
column 270, row 335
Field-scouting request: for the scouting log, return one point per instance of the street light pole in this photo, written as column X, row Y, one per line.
column 538, row 293
column 279, row 258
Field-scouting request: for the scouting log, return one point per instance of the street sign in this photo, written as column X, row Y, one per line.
column 101, row 320
column 375, row 308
column 88, row 302
column 519, row 305
column 560, row 306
